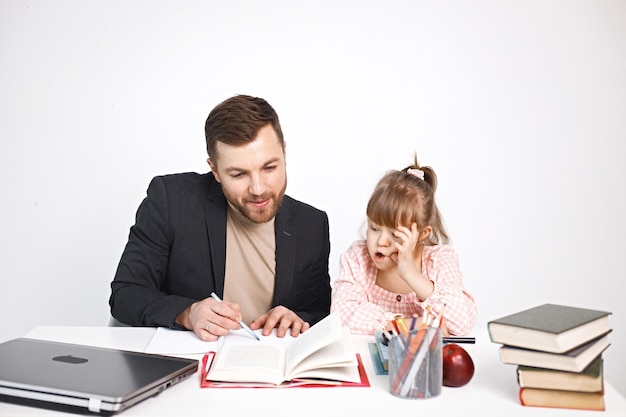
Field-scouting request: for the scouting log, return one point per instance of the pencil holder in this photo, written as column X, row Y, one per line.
column 416, row 364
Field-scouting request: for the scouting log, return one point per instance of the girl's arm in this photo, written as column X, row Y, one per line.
column 442, row 267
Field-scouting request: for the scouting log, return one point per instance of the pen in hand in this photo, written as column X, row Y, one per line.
column 241, row 323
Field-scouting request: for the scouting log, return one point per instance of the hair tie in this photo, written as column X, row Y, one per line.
column 416, row 172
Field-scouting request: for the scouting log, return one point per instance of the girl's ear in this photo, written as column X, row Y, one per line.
column 425, row 233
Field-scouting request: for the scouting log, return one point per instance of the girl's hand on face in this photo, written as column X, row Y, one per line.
column 406, row 239
column 406, row 242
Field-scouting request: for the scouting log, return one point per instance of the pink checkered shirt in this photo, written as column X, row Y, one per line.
column 365, row 307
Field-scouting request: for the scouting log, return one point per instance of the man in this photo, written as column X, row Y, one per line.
column 232, row 231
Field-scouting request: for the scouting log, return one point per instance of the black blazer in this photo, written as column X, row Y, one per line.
column 176, row 254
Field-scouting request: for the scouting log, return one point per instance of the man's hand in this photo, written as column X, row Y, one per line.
column 210, row 319
column 282, row 319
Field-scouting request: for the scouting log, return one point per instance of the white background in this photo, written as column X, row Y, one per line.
column 519, row 106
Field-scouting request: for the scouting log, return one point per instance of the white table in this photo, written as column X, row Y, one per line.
column 492, row 391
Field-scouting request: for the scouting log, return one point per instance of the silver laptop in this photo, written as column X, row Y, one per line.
column 84, row 379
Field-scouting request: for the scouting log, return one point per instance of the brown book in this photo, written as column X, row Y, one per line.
column 549, row 327
column 537, row 397
column 589, row 379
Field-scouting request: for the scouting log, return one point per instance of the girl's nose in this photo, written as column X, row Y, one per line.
column 385, row 238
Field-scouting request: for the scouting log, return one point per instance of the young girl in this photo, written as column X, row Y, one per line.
column 405, row 266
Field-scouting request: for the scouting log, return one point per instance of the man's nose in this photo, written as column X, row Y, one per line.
column 256, row 186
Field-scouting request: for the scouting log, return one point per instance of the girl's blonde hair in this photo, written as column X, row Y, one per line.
column 406, row 197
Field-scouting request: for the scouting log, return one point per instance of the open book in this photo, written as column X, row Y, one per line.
column 322, row 355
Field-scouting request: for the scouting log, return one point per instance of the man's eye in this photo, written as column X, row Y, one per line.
column 270, row 168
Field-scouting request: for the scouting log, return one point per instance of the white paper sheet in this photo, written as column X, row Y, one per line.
column 179, row 342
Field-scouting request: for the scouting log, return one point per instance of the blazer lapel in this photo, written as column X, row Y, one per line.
column 215, row 219
column 285, row 254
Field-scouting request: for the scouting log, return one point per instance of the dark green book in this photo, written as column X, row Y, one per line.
column 549, row 327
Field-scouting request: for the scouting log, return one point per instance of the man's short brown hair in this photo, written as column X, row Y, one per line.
column 237, row 120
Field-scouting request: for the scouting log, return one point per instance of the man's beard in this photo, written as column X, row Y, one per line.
column 266, row 214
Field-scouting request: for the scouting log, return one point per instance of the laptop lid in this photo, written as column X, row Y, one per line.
column 69, row 377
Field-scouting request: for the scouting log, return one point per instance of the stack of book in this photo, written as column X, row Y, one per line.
column 380, row 353
column 557, row 351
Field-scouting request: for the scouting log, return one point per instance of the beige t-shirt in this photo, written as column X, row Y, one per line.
column 250, row 264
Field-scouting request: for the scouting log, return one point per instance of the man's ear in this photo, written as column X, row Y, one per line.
column 285, row 151
column 213, row 169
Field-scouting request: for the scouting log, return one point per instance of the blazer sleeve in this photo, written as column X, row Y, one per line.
column 315, row 305
column 137, row 290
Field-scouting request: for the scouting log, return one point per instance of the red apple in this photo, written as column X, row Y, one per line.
column 458, row 366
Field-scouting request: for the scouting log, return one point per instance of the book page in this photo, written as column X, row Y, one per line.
column 248, row 363
column 346, row 373
column 324, row 333
column 335, row 355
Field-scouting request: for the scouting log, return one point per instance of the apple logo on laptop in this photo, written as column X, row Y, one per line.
column 69, row 359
